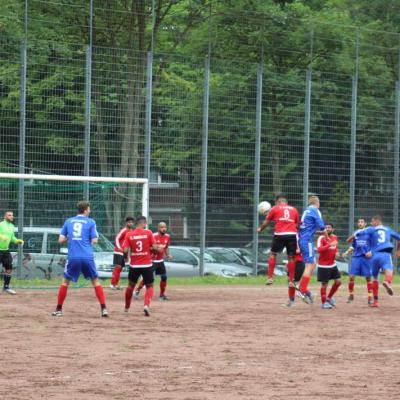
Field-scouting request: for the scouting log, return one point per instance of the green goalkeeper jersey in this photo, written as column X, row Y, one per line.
column 7, row 235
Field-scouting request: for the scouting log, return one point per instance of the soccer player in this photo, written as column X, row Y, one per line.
column 7, row 236
column 381, row 248
column 119, row 257
column 140, row 241
column 163, row 240
column 287, row 220
column 361, row 259
column 81, row 234
column 328, row 249
column 311, row 222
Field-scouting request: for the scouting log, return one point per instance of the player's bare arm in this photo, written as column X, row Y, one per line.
column 95, row 240
column 62, row 239
column 263, row 226
column 347, row 252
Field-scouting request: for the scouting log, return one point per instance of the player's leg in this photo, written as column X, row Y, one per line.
column 61, row 295
column 133, row 277
column 335, row 275
column 388, row 270
column 148, row 277
column 366, row 272
column 375, row 282
column 323, row 278
column 119, row 263
column 6, row 259
column 350, row 286
column 89, row 271
column 162, row 272
column 139, row 287
column 307, row 251
column 276, row 248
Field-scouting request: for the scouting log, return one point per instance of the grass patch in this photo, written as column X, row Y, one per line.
column 207, row 280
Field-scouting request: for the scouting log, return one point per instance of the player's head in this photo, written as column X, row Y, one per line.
column 313, row 201
column 129, row 222
column 162, row 228
column 361, row 223
column 329, row 228
column 280, row 199
column 376, row 220
column 9, row 216
column 83, row 207
column 141, row 221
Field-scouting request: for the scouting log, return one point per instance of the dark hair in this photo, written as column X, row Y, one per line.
column 361, row 218
column 82, row 206
column 127, row 219
column 280, row 196
column 329, row 223
column 140, row 219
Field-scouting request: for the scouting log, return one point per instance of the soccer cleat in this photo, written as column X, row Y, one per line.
column 370, row 301
column 308, row 297
column 57, row 313
column 136, row 295
column 146, row 311
column 104, row 312
column 163, row 297
column 112, row 287
column 388, row 288
column 326, row 305
column 375, row 304
column 9, row 291
column 126, row 310
column 270, row 281
column 350, row 298
column 289, row 304
column 332, row 302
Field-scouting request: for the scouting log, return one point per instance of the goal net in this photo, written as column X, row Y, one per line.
column 41, row 203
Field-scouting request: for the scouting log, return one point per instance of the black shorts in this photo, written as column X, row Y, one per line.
column 119, row 260
column 279, row 242
column 159, row 268
column 145, row 272
column 298, row 273
column 324, row 275
column 6, row 259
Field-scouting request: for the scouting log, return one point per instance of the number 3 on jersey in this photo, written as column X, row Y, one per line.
column 382, row 237
column 139, row 246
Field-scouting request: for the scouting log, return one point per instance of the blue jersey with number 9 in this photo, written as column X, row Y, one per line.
column 80, row 231
column 380, row 237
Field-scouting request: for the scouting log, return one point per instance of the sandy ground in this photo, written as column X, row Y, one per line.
column 231, row 342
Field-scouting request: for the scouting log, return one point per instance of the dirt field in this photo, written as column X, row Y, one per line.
column 206, row 343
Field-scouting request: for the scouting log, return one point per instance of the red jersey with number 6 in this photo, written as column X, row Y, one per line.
column 163, row 241
column 139, row 241
column 286, row 219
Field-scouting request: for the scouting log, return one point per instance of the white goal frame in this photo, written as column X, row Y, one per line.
column 74, row 178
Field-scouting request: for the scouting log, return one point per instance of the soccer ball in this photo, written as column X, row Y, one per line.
column 264, row 207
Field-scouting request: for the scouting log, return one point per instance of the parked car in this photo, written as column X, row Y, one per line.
column 44, row 257
column 243, row 256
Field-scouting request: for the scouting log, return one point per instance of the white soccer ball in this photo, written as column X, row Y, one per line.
column 264, row 207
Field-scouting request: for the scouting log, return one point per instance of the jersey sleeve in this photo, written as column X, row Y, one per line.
column 319, row 220
column 322, row 244
column 395, row 234
column 151, row 238
column 93, row 231
column 270, row 215
column 64, row 229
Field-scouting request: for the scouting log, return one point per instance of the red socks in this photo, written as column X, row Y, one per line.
column 333, row 290
column 375, row 289
column 128, row 296
column 369, row 289
column 291, row 266
column 62, row 294
column 323, row 294
column 271, row 267
column 148, row 295
column 140, row 286
column 304, row 284
column 291, row 293
column 351, row 286
column 100, row 295
column 116, row 275
column 163, row 285
column 389, row 278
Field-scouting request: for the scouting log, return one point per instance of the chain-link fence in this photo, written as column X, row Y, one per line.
column 319, row 103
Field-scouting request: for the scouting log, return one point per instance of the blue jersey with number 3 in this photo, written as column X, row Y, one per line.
column 380, row 237
column 80, row 231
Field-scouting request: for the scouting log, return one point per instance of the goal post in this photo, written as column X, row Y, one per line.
column 41, row 203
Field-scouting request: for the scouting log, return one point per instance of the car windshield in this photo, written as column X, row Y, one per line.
column 208, row 257
column 103, row 244
column 225, row 256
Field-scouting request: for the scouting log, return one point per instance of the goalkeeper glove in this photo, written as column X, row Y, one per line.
column 20, row 241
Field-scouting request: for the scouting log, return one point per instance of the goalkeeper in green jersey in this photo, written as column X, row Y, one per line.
column 7, row 236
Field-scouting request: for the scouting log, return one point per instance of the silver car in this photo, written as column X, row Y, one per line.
column 44, row 257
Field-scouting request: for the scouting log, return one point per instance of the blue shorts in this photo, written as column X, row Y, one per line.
column 381, row 261
column 307, row 251
column 73, row 268
column 360, row 266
